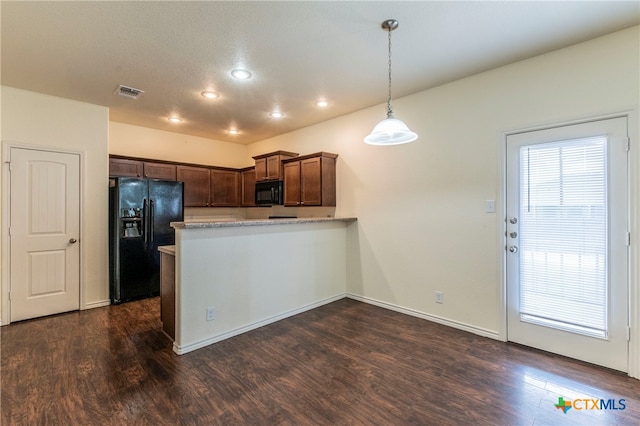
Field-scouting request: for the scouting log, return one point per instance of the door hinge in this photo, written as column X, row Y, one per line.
column 628, row 144
column 628, row 334
column 628, row 239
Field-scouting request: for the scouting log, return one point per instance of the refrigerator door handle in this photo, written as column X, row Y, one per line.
column 145, row 219
column 151, row 220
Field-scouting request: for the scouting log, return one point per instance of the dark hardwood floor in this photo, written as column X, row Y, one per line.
column 344, row 363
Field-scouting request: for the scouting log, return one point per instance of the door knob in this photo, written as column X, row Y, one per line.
column 513, row 234
column 513, row 249
column 513, row 220
column 72, row 241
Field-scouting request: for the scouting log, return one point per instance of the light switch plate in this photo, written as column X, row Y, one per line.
column 490, row 206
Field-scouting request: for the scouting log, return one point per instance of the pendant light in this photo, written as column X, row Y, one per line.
column 390, row 131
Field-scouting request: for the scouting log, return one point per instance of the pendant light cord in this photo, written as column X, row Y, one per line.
column 389, row 108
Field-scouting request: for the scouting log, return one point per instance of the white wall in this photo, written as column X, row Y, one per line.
column 136, row 141
column 37, row 120
column 254, row 275
column 143, row 142
column 420, row 207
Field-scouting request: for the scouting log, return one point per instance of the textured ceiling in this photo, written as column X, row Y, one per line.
column 297, row 51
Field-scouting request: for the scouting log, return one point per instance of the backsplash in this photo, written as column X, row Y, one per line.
column 228, row 214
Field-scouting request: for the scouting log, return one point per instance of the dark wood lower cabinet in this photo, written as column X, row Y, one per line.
column 168, row 291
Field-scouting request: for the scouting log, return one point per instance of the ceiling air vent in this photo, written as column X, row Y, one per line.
column 128, row 92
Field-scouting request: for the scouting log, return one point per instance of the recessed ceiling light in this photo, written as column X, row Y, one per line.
column 241, row 74
column 276, row 114
column 233, row 131
column 322, row 103
column 209, row 94
column 175, row 119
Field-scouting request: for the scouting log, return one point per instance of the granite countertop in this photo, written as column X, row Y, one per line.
column 257, row 222
column 168, row 249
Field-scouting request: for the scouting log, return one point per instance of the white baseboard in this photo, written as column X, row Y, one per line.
column 434, row 318
column 91, row 305
column 98, row 304
column 181, row 350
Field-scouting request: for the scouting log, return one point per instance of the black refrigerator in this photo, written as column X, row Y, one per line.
column 140, row 211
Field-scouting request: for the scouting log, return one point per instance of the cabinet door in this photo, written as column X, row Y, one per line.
column 159, row 171
column 120, row 167
column 292, row 184
column 311, row 182
column 248, row 188
column 196, row 185
column 261, row 169
column 168, row 294
column 274, row 167
column 225, row 189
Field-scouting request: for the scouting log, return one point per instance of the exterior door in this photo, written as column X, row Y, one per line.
column 567, row 241
column 44, row 233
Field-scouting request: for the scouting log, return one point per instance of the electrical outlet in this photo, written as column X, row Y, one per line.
column 211, row 314
column 439, row 297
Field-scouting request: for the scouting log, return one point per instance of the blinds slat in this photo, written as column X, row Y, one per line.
column 563, row 235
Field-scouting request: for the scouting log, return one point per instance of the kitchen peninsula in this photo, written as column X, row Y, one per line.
column 235, row 276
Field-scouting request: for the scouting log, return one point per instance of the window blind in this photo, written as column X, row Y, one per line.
column 563, row 235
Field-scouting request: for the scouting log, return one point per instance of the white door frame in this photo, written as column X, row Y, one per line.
column 5, row 278
column 634, row 221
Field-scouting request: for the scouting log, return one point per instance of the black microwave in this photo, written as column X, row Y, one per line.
column 269, row 193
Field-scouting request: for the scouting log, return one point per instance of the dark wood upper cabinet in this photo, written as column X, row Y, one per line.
column 292, row 184
column 122, row 167
column 274, row 167
column 159, row 171
column 261, row 169
column 197, row 185
column 125, row 167
column 310, row 180
column 248, row 187
column 225, row 188
column 269, row 166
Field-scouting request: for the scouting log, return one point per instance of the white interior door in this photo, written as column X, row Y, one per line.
column 44, row 233
column 567, row 241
